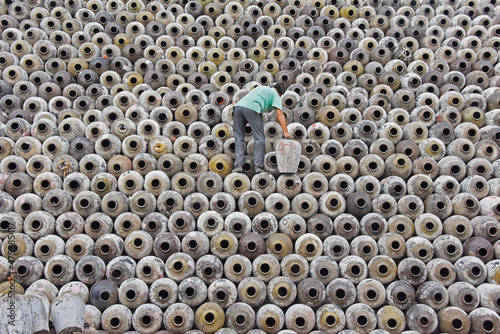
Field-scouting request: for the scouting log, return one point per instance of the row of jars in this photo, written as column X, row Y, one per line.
column 239, row 317
column 331, row 288
column 445, row 260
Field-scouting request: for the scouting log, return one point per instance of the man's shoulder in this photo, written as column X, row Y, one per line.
column 268, row 91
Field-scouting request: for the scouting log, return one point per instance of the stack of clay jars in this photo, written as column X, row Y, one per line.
column 117, row 149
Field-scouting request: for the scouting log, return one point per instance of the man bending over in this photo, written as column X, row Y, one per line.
column 249, row 110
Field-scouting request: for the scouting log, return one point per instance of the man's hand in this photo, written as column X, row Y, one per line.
column 288, row 135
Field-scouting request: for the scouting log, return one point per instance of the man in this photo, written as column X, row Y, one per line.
column 249, row 110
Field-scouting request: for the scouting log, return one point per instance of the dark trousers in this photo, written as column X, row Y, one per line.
column 241, row 117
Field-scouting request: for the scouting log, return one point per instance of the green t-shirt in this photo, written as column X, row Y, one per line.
column 261, row 99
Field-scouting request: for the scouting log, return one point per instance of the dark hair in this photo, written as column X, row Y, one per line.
column 279, row 87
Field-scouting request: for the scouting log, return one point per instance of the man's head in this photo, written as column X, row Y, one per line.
column 280, row 88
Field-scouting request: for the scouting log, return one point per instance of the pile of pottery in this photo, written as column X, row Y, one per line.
column 119, row 211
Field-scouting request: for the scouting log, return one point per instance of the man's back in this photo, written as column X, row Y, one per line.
column 261, row 99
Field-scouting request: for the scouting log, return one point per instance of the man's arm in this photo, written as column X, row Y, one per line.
column 282, row 121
